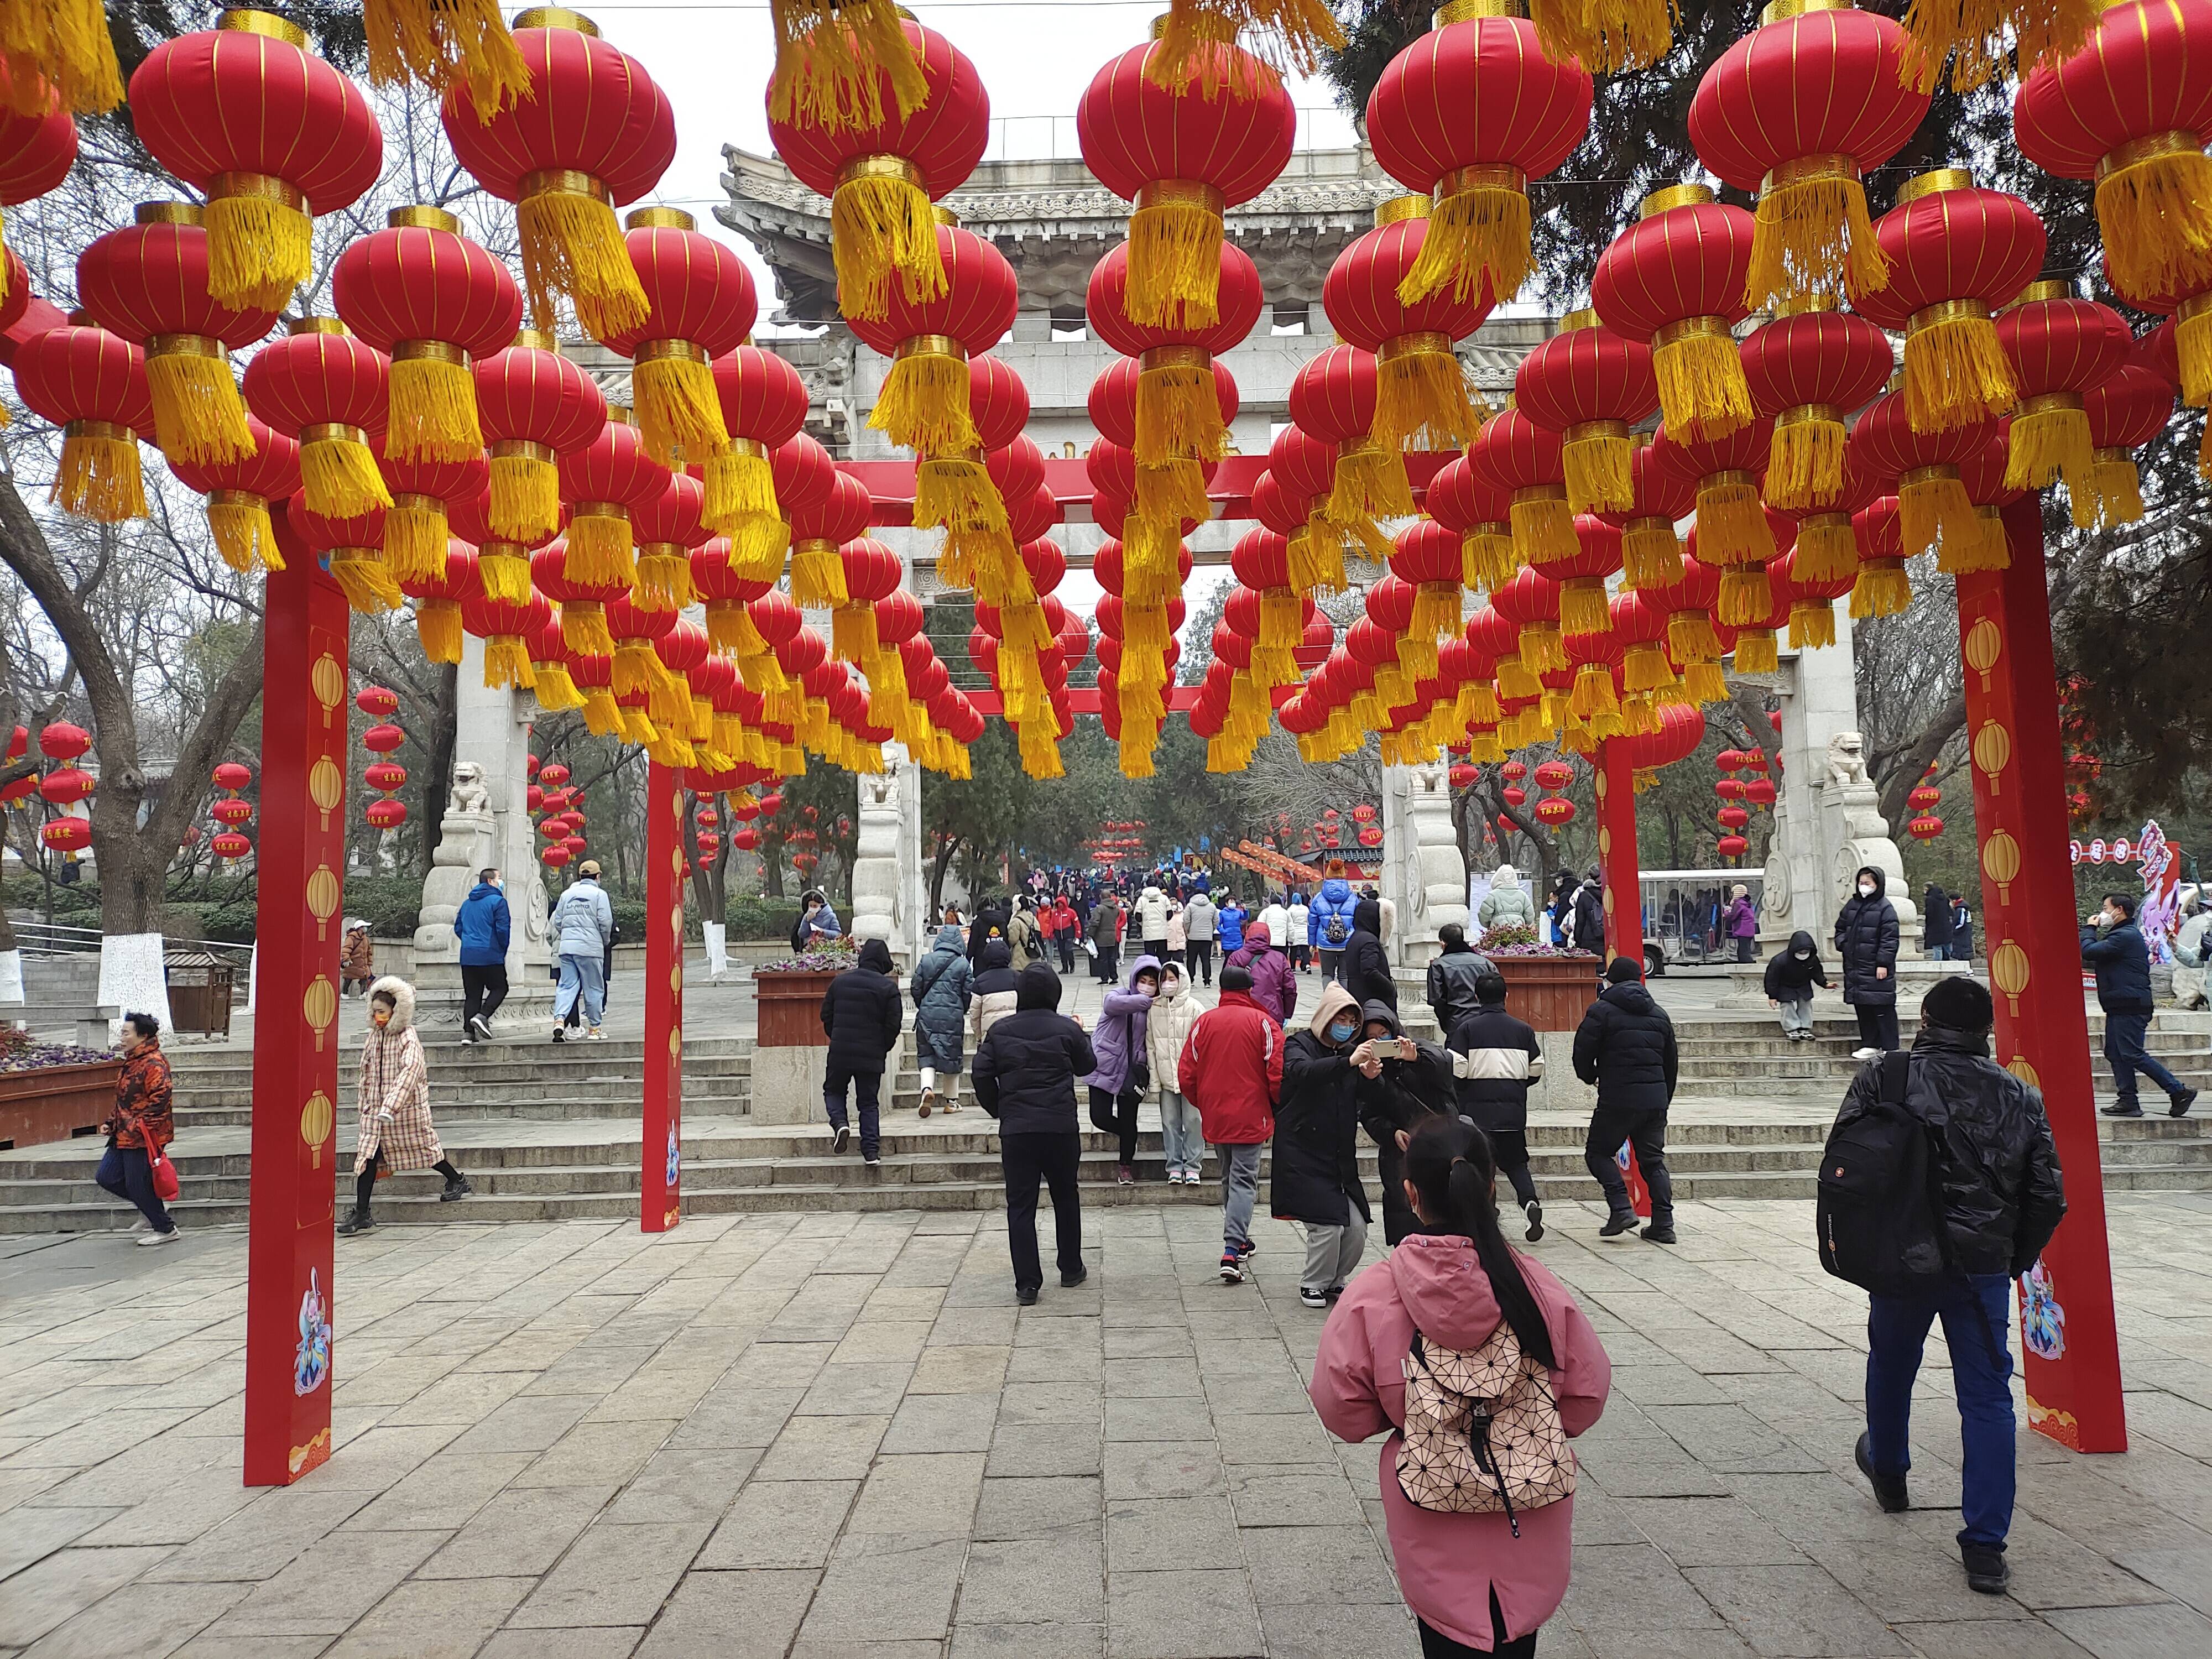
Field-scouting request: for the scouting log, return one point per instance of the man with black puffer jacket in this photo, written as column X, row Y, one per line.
column 1025, row 1075
column 1626, row 1045
column 1415, row 1086
column 1457, row 969
column 2116, row 949
column 1995, row 1169
column 860, row 1013
column 1366, row 971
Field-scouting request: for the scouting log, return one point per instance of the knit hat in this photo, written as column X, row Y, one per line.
column 1624, row 970
column 1959, row 1002
column 1236, row 977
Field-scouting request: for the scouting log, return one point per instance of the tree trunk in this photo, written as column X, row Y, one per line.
column 1906, row 767
column 945, row 851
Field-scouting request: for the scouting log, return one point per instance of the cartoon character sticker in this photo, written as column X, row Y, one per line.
column 311, row 1361
column 2042, row 1318
column 674, row 1157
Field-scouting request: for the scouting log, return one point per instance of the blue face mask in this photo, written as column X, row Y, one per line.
column 1341, row 1033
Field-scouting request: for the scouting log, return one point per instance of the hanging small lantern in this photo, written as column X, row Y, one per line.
column 92, row 385
column 1554, row 775
column 386, row 814
column 238, row 493
column 1650, row 551
column 583, row 620
column 1689, row 602
column 327, row 389
column 233, row 775
column 1734, row 817
column 67, row 836
column 1934, row 505
column 505, row 627
column 1675, row 280
column 229, row 844
column 818, row 572
column 1811, row 604
column 65, row 785
column 1421, row 398
column 1924, row 827
column 534, row 406
column 1733, row 525
column 602, row 484
column 701, row 304
column 668, row 528
column 1555, row 811
column 1883, row 589
column 1582, row 578
column 380, row 703
column 1590, row 385
column 1731, row 846
column 1924, row 797
column 352, row 548
column 554, row 857
column 1528, row 463
column 2060, row 349
column 386, row 777
column 923, row 404
column 1808, row 371
column 2126, row 409
column 1761, row 793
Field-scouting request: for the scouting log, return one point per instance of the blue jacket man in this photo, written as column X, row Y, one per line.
column 483, row 924
column 1330, row 924
column 2116, row 949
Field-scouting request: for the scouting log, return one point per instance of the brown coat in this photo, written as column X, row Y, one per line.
column 357, row 954
column 143, row 1097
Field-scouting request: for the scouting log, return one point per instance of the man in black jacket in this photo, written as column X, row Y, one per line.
column 1626, row 1045
column 1366, row 963
column 1997, row 1169
column 1415, row 1085
column 1588, row 913
column 860, row 1013
column 1495, row 1057
column 1453, row 976
column 1316, row 1168
column 1866, row 939
column 2117, row 950
column 1025, row 1075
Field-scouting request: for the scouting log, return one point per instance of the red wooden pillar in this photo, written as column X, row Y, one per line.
column 660, row 1203
column 1619, row 862
column 299, row 865
column 2072, row 1356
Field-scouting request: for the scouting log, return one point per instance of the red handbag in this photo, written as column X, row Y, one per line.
column 164, row 1172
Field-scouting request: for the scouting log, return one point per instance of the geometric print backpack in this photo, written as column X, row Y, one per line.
column 1482, row 1431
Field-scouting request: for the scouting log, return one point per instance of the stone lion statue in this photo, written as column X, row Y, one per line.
column 1847, row 758
column 470, row 797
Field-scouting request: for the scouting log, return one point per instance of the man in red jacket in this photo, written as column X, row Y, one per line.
column 1232, row 1071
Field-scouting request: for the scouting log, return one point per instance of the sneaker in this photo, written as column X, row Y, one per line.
column 928, row 1101
column 1536, row 1213
column 1617, row 1224
column 1313, row 1298
column 559, row 1033
column 1026, row 1295
column 2128, row 1109
column 1124, row 1176
column 1986, row 1570
column 482, row 1028
column 1866, row 1053
column 1335, row 1292
column 1888, row 1489
column 358, row 1222
column 840, row 1139
column 1069, row 1281
column 1232, row 1268
column 1658, row 1235
column 596, row 1034
column 872, row 1160
column 455, row 1190
column 1247, row 1251
column 2181, row 1104
column 170, row 1236
column 142, row 1226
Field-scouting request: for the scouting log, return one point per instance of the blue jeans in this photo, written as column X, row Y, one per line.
column 1975, row 1319
column 581, row 975
column 1240, row 1186
column 1179, row 1140
column 125, row 1172
column 2123, row 1047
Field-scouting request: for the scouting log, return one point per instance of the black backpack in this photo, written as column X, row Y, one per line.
column 1879, row 1212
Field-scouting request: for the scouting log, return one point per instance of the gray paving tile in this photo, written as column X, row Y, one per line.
column 780, row 1523
column 921, row 1496
column 334, row 1581
column 731, row 1616
column 522, row 1530
column 1047, row 1507
column 1055, row 1641
column 140, row 1621
column 943, row 1423
column 1181, row 1615
column 1792, row 1611
column 2166, row 1631
column 436, row 1619
column 887, row 1592
column 60, row 1586
column 1339, row 1564
column 1161, row 1535
column 824, row 1448
column 1017, row 1583
column 1162, row 1469
column 1701, row 1532
column 1332, row 1630
column 1045, row 1449
column 614, row 1575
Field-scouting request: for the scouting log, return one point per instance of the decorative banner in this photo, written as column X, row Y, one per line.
column 2072, row 1360
column 660, row 1203
column 290, row 1291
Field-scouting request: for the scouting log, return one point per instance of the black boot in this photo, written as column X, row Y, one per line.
column 1617, row 1224
column 456, row 1187
column 1889, row 1490
column 358, row 1222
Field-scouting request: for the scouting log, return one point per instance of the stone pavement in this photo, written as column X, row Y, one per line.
column 834, row 1435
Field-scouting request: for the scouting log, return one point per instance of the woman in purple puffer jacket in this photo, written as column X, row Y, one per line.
column 1274, row 981
column 1740, row 922
column 1119, row 1045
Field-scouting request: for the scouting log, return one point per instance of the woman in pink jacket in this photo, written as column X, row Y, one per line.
column 1474, row 1586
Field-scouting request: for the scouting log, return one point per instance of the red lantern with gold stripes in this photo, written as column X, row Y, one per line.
column 1650, row 551
column 1480, row 514
column 1675, row 280
column 1882, row 589
column 2059, row 347
column 1807, row 372
column 1794, row 112
column 700, row 304
column 924, row 405
column 506, row 628
column 437, row 603
column 1590, row 385
column 92, row 383
column 1528, row 463
column 1692, row 642
column 667, row 527
column 1811, row 601
column 763, row 403
column 436, row 303
column 1426, row 556
column 601, row 484
column 597, row 135
column 535, row 406
column 238, row 493
column 326, row 389
column 871, row 575
column 36, row 149
column 268, row 133
column 1467, row 114
column 1359, row 477
column 415, row 527
column 583, row 603
column 817, row 575
column 1933, row 505
column 1582, row 578
column 882, row 174
column 2127, row 409
column 1420, row 393
column 352, row 548
column 149, row 284
column 1726, row 473
column 502, row 561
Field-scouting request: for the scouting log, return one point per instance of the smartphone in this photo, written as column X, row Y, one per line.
column 1406, row 1051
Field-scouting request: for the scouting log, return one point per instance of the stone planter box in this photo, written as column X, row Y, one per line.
column 791, row 1008
column 1552, row 994
column 56, row 1103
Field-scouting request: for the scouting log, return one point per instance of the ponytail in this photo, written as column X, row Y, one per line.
column 1451, row 1165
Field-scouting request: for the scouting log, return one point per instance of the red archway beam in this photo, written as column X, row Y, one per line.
column 1085, row 700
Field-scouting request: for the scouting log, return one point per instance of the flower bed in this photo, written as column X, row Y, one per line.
column 52, row 1091
column 1549, row 987
column 789, row 994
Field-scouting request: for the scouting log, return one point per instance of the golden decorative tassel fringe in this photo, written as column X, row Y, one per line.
column 1812, row 624
column 1517, row 680
column 880, row 223
column 1732, row 527
column 1476, row 235
column 1979, row 36
column 555, row 688
column 2192, row 342
column 958, row 492
column 444, row 44
column 1481, row 703
column 99, row 478
column 2156, row 218
column 1421, row 402
column 1690, row 638
column 1316, row 559
column 58, row 46
column 1175, row 269
column 1956, row 374
column 1805, row 468
column 1178, row 416
column 1172, row 492
column 1983, row 547
column 198, row 416
column 572, row 246
column 2045, row 443
column 1704, row 681
column 258, row 252
column 584, row 629
column 525, row 497
column 852, row 632
column 1544, row 531
column 817, row 578
column 1651, row 554
column 415, row 541
column 828, row 56
column 603, row 715
column 740, row 488
column 1882, row 590
column 924, row 405
column 1827, row 550
column 1583, row 608
column 663, row 578
column 1488, row 557
column 679, row 415
column 1932, row 509
column 433, row 411
column 367, row 585
column 1646, row 668
column 1598, row 476
column 503, row 568
column 1593, row 697
column 1294, row 35
column 1746, row 596
column 2117, row 489
column 243, row 534
column 756, row 550
column 599, row 551
column 1812, row 238
column 1702, row 390
column 506, row 663
column 340, row 479
column 1755, row 652
column 1616, row 36
column 1540, row 648
column 438, row 626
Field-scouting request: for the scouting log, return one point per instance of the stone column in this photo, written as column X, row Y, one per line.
column 1819, row 700
column 878, row 906
column 1424, row 878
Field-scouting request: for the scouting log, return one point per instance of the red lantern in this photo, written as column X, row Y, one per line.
column 438, row 602
column 1527, row 463
column 603, row 484
column 771, row 471
column 231, row 810
column 598, row 132
column 1557, row 810
column 1461, row 775
column 268, row 133
column 1808, row 371
column 229, row 844
column 1810, row 602
column 1468, row 113
column 771, row 803
column 505, row 627
column 378, row 702
column 924, row 405
column 1590, row 385
column 92, row 383
column 233, row 775
column 1675, row 280
column 667, row 528
column 554, row 857
column 386, row 814
column 1734, row 817
column 2060, row 349
column 534, row 406
column 1420, row 392
column 1883, row 589
column 238, row 494
column 746, row 840
column 386, row 777
column 553, row 775
column 1760, row 793
column 37, row 147
column 326, row 389
column 65, row 785
column 1933, row 504
column 1554, row 775
column 1731, row 846
column 61, row 741
column 436, row 303
column 1730, row 788
column 1514, row 795
column 1924, row 797
column 68, row 837
column 1794, row 112
column 1370, row 835
column 2126, row 410
column 818, row 571
column 1926, row 827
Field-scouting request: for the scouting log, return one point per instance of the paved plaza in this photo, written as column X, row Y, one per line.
column 834, row 1435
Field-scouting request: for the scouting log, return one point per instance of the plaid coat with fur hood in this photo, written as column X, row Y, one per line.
column 395, row 1089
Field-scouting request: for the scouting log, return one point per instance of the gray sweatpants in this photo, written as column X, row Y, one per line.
column 1796, row 1015
column 1333, row 1254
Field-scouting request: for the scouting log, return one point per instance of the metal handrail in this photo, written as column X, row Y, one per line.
column 60, row 939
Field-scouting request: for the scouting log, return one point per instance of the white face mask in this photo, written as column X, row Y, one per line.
column 1866, row 890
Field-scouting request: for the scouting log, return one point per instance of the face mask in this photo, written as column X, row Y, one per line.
column 1866, row 890
column 1804, row 956
column 380, row 1017
column 1341, row 1034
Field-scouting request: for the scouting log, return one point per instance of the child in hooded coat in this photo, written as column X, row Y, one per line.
column 1791, row 974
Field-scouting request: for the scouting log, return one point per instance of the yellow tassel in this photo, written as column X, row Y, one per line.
column 1316, row 559
column 58, row 46
column 1421, row 402
column 1956, row 373
column 525, row 497
column 679, row 415
column 1811, row 623
column 258, row 252
column 2049, row 441
column 852, row 632
column 1517, row 680
column 1593, row 696
column 1598, row 476
column 756, row 550
column 2116, row 490
column 1614, row 36
column 1174, row 263
column 924, row 405
column 367, row 585
column 1934, row 507
column 1543, row 528
column 2156, row 218
column 572, row 246
column 1977, row 36
column 1477, row 234
column 740, row 487
column 1295, row 33
column 1177, row 413
column 243, row 535
column 1488, row 557
column 1704, row 681
column 198, row 416
column 1983, row 547
column 957, row 492
column 1691, row 638
column 1732, row 527
column 818, row 577
column 433, row 411
column 340, row 479
column 599, row 549
column 99, row 478
column 1805, row 468
column 663, row 578
column 555, row 688
column 603, row 715
column 879, row 224
column 1827, row 550
column 2192, row 343
column 1481, row 704
column 438, row 626
column 1882, row 590
column 503, row 570
column 1172, row 492
column 1702, row 390
column 415, row 540
column 1651, row 554
column 1746, row 596
column 670, row 702
column 1812, row 237
column 1583, row 608
column 1646, row 668
column 1755, row 652
column 829, row 54
column 637, row 728
column 1540, row 648
column 444, row 44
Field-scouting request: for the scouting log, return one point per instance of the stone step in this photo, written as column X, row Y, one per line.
column 445, row 1090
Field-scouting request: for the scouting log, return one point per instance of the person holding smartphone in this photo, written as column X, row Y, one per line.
column 1413, row 1085
column 1316, row 1150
